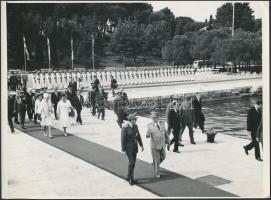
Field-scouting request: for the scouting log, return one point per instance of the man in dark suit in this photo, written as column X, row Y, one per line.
column 96, row 84
column 254, row 118
column 113, row 85
column 120, row 103
column 199, row 117
column 21, row 106
column 101, row 102
column 74, row 87
column 92, row 98
column 29, row 105
column 174, row 126
column 187, row 119
column 130, row 138
column 11, row 110
column 55, row 97
column 78, row 105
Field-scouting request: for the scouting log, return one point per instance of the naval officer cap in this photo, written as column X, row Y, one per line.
column 132, row 116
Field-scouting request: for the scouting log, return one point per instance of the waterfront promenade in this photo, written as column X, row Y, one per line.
column 38, row 169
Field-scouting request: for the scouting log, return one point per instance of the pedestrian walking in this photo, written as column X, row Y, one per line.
column 63, row 108
column 254, row 118
column 101, row 103
column 46, row 115
column 187, row 119
column 22, row 108
column 174, row 126
column 37, row 115
column 199, row 116
column 55, row 97
column 130, row 138
column 259, row 136
column 158, row 140
column 113, row 85
column 29, row 104
column 92, row 98
column 120, row 104
column 78, row 105
column 17, row 107
column 11, row 110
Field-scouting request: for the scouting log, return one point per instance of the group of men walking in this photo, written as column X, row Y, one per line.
column 184, row 114
column 179, row 115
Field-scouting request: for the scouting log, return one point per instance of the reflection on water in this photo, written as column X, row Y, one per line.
column 227, row 116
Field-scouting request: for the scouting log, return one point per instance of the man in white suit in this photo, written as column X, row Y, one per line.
column 159, row 138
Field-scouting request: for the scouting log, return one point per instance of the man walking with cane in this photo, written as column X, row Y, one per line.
column 129, row 138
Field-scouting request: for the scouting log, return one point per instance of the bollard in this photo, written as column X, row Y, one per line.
column 211, row 135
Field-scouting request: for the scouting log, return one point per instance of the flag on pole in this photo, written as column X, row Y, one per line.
column 49, row 53
column 92, row 51
column 25, row 49
column 72, row 49
column 48, row 44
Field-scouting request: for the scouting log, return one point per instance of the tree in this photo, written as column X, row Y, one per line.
column 167, row 53
column 243, row 19
column 184, row 24
column 205, row 42
column 180, row 50
column 126, row 40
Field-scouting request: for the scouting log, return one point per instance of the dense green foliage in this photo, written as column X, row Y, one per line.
column 130, row 30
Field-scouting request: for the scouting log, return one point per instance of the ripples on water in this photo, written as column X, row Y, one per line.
column 225, row 116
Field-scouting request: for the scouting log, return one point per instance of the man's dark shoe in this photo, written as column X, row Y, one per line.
column 181, row 145
column 176, row 151
column 259, row 159
column 168, row 146
column 193, row 142
column 246, row 151
column 131, row 182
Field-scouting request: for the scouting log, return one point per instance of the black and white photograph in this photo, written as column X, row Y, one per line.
column 124, row 99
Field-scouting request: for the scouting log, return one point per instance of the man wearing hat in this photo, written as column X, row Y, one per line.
column 159, row 137
column 129, row 138
column 254, row 118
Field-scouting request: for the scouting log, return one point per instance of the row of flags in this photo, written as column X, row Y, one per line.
column 26, row 53
column 27, row 57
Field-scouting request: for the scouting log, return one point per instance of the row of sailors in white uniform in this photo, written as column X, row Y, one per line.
column 123, row 77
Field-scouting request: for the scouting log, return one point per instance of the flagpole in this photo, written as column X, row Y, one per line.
column 24, row 54
column 72, row 51
column 232, row 19
column 49, row 54
column 93, row 52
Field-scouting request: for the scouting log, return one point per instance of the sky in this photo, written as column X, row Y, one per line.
column 201, row 10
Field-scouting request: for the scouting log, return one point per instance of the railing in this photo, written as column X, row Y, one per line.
column 131, row 77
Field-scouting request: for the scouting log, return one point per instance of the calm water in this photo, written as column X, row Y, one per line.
column 227, row 116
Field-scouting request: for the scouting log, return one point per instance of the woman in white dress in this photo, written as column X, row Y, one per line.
column 46, row 115
column 63, row 108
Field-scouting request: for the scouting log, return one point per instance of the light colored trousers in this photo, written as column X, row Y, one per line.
column 158, row 155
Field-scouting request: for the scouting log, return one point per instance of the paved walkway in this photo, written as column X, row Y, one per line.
column 115, row 163
column 38, row 169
